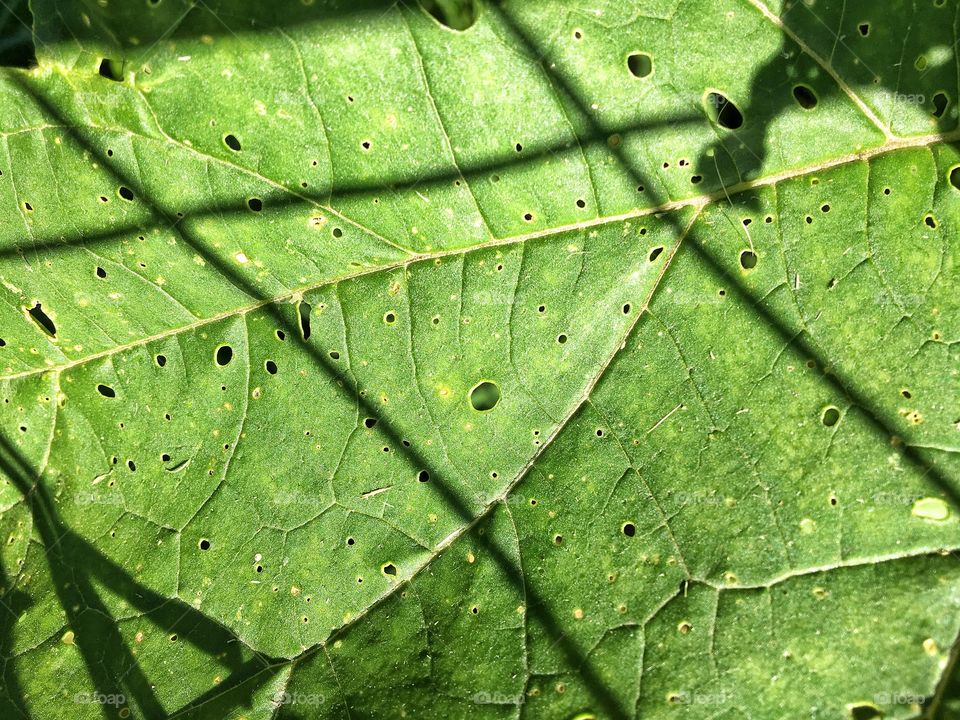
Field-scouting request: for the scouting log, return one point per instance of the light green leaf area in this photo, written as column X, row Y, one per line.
column 579, row 360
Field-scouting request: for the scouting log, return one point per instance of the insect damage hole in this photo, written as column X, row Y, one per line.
column 484, row 396
column 805, row 97
column 223, row 355
column 640, row 64
column 106, row 391
column 204, row 544
column 255, row 204
column 42, row 320
column 457, row 16
column 303, row 312
column 721, row 110
column 231, row 142
column 389, row 569
column 748, row 259
column 830, row 416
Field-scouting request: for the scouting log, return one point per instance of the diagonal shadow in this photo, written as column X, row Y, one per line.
column 576, row 97
column 74, row 566
column 457, row 501
column 883, row 423
column 276, row 200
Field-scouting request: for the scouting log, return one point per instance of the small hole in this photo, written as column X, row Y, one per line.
column 485, row 396
column 748, row 260
column 337, row 232
column 126, row 193
column 334, row 355
column 886, row 191
column 106, row 391
column 281, row 335
column 864, row 29
column 423, row 476
column 390, row 318
column 906, row 393
column 640, row 64
column 370, row 423
column 42, row 320
column 581, row 204
column 805, row 97
column 389, row 569
column 231, row 142
column 101, row 273
column 204, row 544
column 224, row 355
column 351, row 541
column 723, row 112
column 111, row 70
column 528, row 217
column 626, row 309
column 165, row 458
column 830, row 416
column 940, row 103
column 518, row 147
column 629, row 529
column 365, row 144
column 561, row 338
column 655, row 253
column 271, row 367
column 930, row 221
column 161, row 360
column 696, row 179
column 131, row 466
column 255, row 204
column 303, row 312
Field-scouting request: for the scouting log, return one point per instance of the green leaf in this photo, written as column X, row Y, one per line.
column 540, row 360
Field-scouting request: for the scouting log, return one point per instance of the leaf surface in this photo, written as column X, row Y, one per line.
column 572, row 361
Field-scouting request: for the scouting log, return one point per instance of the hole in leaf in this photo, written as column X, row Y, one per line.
column 111, row 69
column 126, row 193
column 723, row 112
column 101, row 273
column 655, row 253
column 389, row 569
column 805, row 97
column 864, row 29
column 303, row 311
column 940, row 103
column 106, row 391
column 43, row 320
column 830, row 416
column 390, row 318
column 161, row 360
column 955, row 177
column 255, row 204
column 748, row 259
column 369, row 423
column 562, row 339
column 231, row 142
column 455, row 14
column 865, row 711
column 629, row 529
column 224, row 355
column 271, row 367
column 485, row 396
column 640, row 64
column 204, row 544
column 423, row 476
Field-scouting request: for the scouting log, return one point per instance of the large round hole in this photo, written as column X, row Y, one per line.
column 485, row 396
column 224, row 355
column 640, row 64
column 748, row 259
